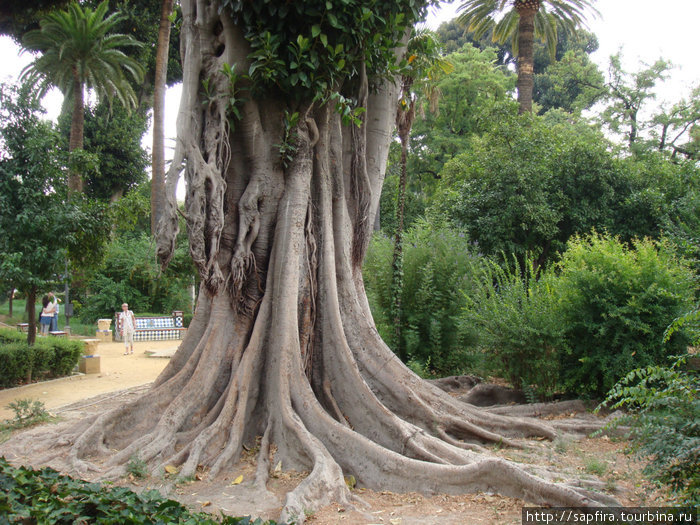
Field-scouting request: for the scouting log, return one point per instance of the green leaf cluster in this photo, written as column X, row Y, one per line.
column 438, row 265
column 514, row 320
column 664, row 413
column 129, row 273
column 40, row 227
column 313, row 47
column 27, row 413
column 45, row 496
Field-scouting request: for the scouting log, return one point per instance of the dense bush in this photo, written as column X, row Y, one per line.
column 45, row 496
column 14, row 363
column 12, row 336
column 50, row 356
column 616, row 304
column 516, row 326
column 438, row 266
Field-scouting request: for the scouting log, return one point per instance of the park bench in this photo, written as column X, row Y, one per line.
column 155, row 328
column 23, row 327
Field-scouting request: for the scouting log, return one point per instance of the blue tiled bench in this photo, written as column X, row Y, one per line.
column 161, row 328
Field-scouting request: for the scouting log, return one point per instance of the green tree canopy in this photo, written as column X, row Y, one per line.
column 39, row 228
column 527, row 186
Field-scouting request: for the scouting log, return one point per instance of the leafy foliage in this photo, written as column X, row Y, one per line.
column 39, row 227
column 302, row 46
column 437, row 267
column 516, row 326
column 112, row 139
column 27, row 413
column 45, row 496
column 49, row 357
column 616, row 304
column 665, row 418
column 528, row 185
column 77, row 45
column 130, row 274
column 500, row 19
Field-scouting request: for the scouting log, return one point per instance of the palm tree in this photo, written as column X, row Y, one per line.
column 521, row 21
column 78, row 51
column 423, row 69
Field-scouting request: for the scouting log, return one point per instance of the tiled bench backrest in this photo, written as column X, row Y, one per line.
column 146, row 323
column 160, row 328
column 154, row 323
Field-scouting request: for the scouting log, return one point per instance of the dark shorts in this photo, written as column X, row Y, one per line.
column 45, row 319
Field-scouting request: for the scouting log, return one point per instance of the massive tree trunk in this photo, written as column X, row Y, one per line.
column 282, row 346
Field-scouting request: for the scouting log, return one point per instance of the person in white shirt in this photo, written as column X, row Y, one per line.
column 54, row 319
column 127, row 327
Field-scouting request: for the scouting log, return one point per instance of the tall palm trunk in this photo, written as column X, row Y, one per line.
column 527, row 9
column 75, row 181
column 158, row 155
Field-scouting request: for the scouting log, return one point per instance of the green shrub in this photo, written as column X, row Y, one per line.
column 438, row 266
column 27, row 413
column 130, row 273
column 665, row 419
column 15, row 366
column 45, row 496
column 616, row 303
column 50, row 356
column 64, row 354
column 7, row 335
column 516, row 326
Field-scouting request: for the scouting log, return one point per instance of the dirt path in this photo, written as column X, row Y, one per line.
column 117, row 372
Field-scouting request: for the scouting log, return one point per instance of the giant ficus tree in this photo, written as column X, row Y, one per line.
column 283, row 132
column 521, row 21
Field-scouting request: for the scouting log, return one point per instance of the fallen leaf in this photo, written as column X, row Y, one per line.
column 238, row 480
column 171, row 469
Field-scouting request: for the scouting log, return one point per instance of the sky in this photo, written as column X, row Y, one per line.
column 644, row 30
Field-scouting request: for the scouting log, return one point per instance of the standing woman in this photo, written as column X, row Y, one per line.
column 127, row 327
column 47, row 313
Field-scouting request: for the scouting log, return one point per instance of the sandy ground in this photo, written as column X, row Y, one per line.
column 117, row 372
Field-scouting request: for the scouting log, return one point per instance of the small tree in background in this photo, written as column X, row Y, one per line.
column 39, row 228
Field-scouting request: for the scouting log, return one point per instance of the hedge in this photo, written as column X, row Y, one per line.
column 49, row 357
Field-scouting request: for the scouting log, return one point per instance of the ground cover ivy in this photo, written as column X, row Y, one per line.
column 47, row 497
